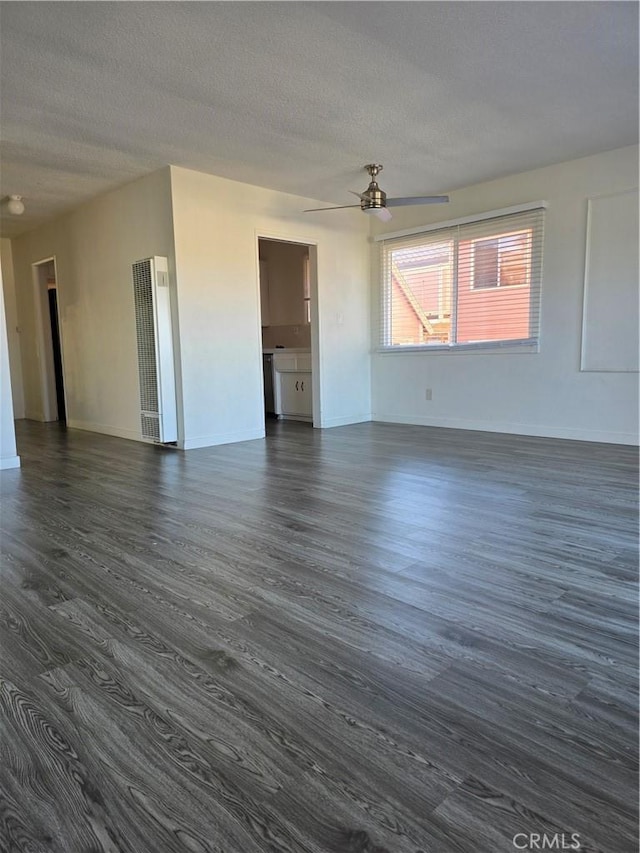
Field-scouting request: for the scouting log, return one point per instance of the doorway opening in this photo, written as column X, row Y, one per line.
column 289, row 329
column 49, row 341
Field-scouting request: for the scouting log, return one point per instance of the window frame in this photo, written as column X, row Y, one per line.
column 452, row 230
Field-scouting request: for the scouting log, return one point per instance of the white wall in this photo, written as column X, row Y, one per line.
column 217, row 224
column 8, row 453
column 541, row 393
column 285, row 267
column 13, row 333
column 94, row 247
column 214, row 245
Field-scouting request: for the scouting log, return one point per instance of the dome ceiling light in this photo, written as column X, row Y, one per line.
column 14, row 205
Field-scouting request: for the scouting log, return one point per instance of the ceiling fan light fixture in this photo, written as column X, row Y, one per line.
column 380, row 213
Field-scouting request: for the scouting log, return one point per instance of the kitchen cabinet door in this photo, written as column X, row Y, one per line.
column 295, row 394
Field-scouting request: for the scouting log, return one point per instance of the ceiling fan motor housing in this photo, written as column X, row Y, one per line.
column 375, row 197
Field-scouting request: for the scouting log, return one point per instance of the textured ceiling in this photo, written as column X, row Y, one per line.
column 297, row 96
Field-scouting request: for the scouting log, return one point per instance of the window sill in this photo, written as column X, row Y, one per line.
column 462, row 349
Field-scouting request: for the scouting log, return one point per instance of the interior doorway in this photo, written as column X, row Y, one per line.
column 289, row 328
column 49, row 341
column 57, row 352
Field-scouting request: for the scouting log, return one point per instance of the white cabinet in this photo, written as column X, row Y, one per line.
column 293, row 390
column 295, row 394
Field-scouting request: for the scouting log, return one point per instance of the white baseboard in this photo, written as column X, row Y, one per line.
column 105, row 429
column 220, row 438
column 9, row 462
column 350, row 419
column 187, row 444
column 575, row 434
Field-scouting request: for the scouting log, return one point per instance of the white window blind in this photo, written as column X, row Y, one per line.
column 471, row 285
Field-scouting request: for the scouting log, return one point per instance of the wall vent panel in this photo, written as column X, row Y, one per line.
column 154, row 337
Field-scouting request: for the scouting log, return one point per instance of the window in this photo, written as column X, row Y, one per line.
column 469, row 285
column 502, row 261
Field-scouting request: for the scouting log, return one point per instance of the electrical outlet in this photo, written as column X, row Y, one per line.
column 296, row 330
column 428, row 394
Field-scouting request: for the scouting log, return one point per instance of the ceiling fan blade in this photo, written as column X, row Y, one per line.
column 361, row 196
column 420, row 199
column 340, row 207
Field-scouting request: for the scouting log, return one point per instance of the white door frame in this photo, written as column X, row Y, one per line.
column 43, row 341
column 312, row 245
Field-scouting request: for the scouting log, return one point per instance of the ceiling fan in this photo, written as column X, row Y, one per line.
column 374, row 200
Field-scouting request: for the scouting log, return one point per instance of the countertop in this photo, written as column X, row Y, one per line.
column 285, row 350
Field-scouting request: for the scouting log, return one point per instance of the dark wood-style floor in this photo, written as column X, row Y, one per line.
column 371, row 638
